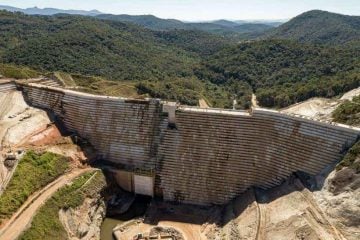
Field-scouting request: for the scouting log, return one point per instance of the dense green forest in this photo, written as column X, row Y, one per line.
column 221, row 27
column 201, row 43
column 348, row 112
column 111, row 57
column 283, row 72
column 89, row 46
column 319, row 27
column 148, row 21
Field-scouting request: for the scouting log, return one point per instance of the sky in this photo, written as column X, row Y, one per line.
column 200, row 10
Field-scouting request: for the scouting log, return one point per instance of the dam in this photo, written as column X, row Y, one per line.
column 193, row 155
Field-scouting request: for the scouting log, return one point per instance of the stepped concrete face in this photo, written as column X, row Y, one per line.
column 211, row 157
column 199, row 156
column 122, row 131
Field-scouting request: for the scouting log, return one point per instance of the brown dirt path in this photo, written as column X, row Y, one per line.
column 254, row 102
column 203, row 103
column 21, row 220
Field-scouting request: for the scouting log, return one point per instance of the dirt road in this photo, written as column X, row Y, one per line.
column 203, row 103
column 22, row 218
column 254, row 102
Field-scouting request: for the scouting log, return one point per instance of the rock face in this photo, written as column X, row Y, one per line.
column 84, row 222
column 339, row 199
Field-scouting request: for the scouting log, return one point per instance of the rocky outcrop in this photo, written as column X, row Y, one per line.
column 83, row 222
column 339, row 199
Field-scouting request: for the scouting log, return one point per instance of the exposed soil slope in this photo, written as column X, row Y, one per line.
column 21, row 220
column 17, row 122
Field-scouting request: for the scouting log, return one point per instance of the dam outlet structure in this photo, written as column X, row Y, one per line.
column 193, row 155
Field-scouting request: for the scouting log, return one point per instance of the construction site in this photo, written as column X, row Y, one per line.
column 209, row 173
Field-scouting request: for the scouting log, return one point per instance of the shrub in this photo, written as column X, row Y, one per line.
column 33, row 172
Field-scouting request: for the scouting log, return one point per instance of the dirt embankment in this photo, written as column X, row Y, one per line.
column 339, row 199
column 203, row 103
column 23, row 127
column 315, row 108
column 85, row 221
column 17, row 122
column 22, row 218
column 339, row 191
column 285, row 212
column 319, row 108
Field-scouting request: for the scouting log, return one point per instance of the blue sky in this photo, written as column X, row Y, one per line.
column 199, row 9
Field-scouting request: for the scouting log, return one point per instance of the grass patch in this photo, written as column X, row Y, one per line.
column 66, row 78
column 348, row 112
column 33, row 172
column 46, row 223
column 17, row 72
column 349, row 159
column 101, row 86
column 186, row 91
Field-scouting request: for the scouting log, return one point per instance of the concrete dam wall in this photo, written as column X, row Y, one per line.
column 122, row 131
column 213, row 157
column 193, row 155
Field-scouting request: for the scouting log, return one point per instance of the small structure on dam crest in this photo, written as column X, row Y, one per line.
column 193, row 155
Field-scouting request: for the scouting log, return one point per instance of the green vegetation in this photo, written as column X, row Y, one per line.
column 283, row 72
column 105, row 57
column 222, row 27
column 319, row 27
column 115, row 57
column 46, row 223
column 147, row 21
column 236, row 32
column 348, row 112
column 197, row 42
column 65, row 78
column 323, row 86
column 89, row 46
column 33, row 172
column 187, row 91
column 17, row 72
column 350, row 159
column 101, row 86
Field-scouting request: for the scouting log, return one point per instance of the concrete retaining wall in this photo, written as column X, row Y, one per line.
column 205, row 157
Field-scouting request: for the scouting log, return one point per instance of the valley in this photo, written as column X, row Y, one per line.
column 119, row 126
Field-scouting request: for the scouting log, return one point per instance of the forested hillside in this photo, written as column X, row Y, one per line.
column 348, row 112
column 319, row 27
column 198, row 42
column 181, row 65
column 147, row 21
column 284, row 72
column 114, row 50
column 89, row 46
column 222, row 27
